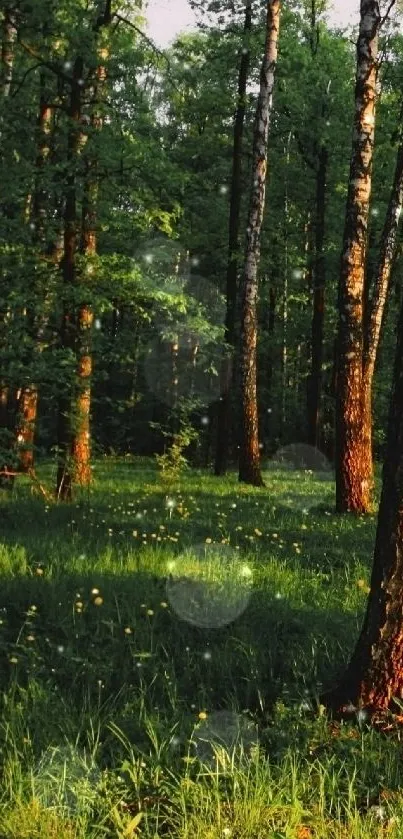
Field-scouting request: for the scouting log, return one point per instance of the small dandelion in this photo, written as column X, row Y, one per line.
column 164, row 605
column 39, row 571
column 60, row 649
column 207, row 655
column 202, row 715
column 13, row 660
column 98, row 601
column 208, row 541
column 30, row 638
column 150, row 612
column 95, row 591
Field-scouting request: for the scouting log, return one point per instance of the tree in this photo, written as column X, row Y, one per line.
column 28, row 395
column 374, row 677
column 64, row 476
column 249, row 461
column 353, row 459
column 7, row 49
column 377, row 303
column 224, row 407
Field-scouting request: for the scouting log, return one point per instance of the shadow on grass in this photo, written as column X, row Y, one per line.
column 130, row 644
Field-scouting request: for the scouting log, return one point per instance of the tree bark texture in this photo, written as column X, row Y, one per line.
column 377, row 304
column 7, row 51
column 249, row 463
column 81, row 408
column 352, row 468
column 374, row 676
column 226, row 384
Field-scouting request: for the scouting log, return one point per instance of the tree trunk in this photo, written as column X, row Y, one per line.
column 6, row 395
column 26, row 424
column 284, row 297
column 270, row 359
column 315, row 377
column 376, row 308
column 7, row 51
column 74, row 405
column 67, row 333
column 81, row 437
column 28, row 401
column 374, row 676
column 226, row 384
column 352, row 468
column 249, row 463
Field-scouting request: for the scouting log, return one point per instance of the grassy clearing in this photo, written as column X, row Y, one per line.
column 161, row 653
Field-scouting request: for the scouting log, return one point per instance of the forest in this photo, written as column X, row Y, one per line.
column 201, row 422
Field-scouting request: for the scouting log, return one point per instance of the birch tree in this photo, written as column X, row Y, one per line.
column 249, row 462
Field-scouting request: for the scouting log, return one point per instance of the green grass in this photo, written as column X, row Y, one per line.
column 180, row 698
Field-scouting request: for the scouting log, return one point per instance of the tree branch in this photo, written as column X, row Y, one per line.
column 50, row 65
column 386, row 15
column 143, row 35
column 27, row 72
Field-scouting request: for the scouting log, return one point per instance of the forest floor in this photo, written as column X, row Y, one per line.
column 162, row 648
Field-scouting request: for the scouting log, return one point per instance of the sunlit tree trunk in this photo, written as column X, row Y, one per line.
column 249, row 462
column 374, row 676
column 352, row 468
column 224, row 407
column 81, row 409
column 376, row 307
column 74, row 442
